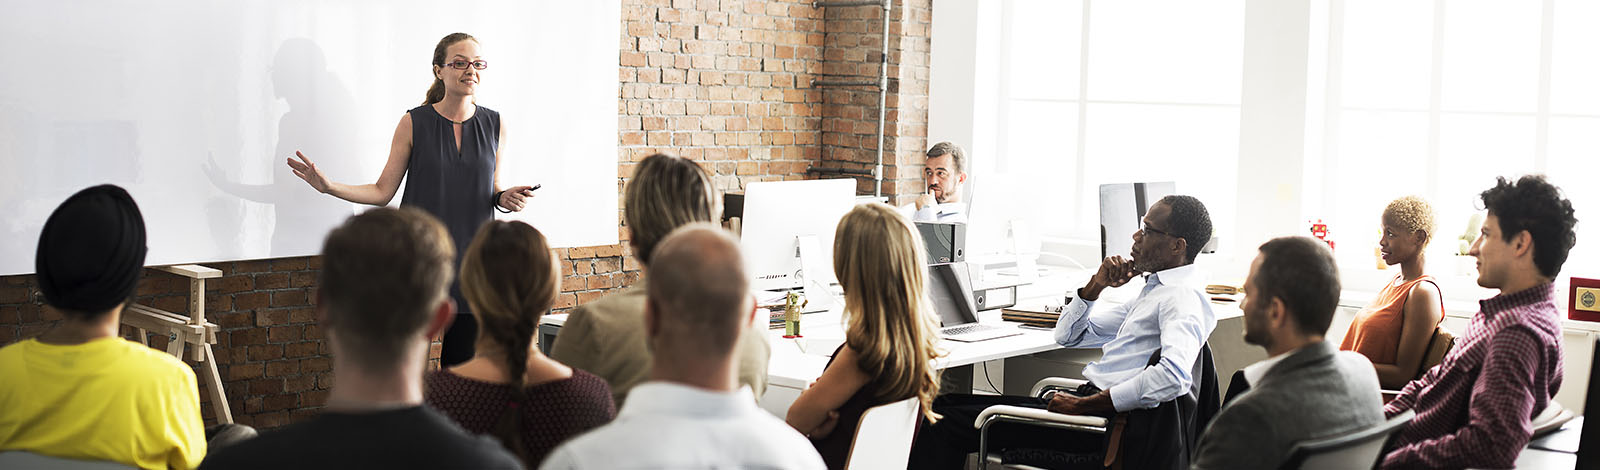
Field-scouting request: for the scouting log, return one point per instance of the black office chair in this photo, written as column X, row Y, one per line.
column 1132, row 439
column 1360, row 449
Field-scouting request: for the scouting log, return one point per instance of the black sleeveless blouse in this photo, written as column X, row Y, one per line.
column 457, row 186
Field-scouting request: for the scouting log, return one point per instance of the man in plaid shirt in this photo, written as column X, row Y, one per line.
column 1475, row 407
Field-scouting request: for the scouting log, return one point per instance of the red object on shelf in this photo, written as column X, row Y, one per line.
column 1587, row 298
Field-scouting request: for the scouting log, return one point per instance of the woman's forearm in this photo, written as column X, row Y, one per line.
column 369, row 194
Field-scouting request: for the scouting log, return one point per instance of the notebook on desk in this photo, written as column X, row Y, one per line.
column 950, row 288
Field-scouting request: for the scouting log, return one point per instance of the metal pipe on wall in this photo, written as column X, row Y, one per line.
column 882, row 84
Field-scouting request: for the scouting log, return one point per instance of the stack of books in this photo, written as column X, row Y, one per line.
column 1039, row 317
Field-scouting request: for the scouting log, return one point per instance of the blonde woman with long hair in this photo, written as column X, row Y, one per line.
column 890, row 338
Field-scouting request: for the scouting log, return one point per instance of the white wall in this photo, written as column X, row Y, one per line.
column 194, row 105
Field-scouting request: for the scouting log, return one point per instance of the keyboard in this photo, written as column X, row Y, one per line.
column 973, row 332
column 967, row 329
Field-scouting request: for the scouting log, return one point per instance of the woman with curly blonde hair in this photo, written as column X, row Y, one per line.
column 1393, row 331
column 890, row 338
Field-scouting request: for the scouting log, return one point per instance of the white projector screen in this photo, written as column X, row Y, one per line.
column 193, row 106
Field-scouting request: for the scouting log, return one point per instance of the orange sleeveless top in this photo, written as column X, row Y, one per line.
column 1375, row 333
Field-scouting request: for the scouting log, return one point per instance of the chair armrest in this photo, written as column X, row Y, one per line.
column 1035, row 414
column 1061, row 383
column 1389, row 395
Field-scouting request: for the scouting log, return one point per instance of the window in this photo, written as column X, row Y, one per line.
column 1437, row 98
column 1099, row 92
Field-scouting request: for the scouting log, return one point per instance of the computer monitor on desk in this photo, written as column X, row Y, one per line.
column 787, row 234
column 1122, row 206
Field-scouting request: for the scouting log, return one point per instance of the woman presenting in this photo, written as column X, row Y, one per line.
column 450, row 147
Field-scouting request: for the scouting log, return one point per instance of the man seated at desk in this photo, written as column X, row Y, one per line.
column 1171, row 315
column 943, row 174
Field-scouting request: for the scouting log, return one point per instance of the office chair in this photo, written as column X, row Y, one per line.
column 883, row 439
column 22, row 459
column 1193, row 411
column 1438, row 347
column 1358, row 449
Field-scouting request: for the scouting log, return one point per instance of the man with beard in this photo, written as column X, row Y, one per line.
column 1306, row 388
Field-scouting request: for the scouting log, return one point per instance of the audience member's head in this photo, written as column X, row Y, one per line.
column 91, row 253
column 1407, row 228
column 878, row 259
column 699, row 300
column 1174, row 230
column 511, row 277
column 666, row 192
column 1527, row 234
column 1292, row 291
column 383, row 289
column 945, row 171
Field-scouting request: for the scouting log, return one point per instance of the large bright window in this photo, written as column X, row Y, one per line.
column 1095, row 92
column 1436, row 98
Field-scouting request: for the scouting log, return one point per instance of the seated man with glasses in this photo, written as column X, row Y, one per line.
column 1151, row 345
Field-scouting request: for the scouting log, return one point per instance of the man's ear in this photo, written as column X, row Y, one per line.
column 1182, row 247
column 442, row 316
column 961, row 178
column 1277, row 313
column 750, row 320
column 1522, row 244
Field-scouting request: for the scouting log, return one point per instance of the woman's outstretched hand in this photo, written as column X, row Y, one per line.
column 308, row 171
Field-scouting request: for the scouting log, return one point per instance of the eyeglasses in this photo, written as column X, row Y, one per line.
column 459, row 64
column 1143, row 227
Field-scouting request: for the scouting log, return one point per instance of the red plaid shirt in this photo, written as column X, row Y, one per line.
column 1475, row 407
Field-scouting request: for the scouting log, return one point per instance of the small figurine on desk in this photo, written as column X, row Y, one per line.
column 1320, row 231
column 792, row 303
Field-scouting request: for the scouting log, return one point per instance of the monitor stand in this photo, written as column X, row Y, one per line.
column 814, row 269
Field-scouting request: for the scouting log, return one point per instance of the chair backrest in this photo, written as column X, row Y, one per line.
column 1438, row 346
column 30, row 460
column 1359, row 449
column 883, row 439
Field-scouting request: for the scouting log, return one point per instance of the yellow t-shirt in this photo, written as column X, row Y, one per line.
column 107, row 399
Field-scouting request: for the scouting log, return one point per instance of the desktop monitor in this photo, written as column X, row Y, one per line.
column 784, row 218
column 1122, row 206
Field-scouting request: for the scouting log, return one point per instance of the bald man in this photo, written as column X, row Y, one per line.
column 692, row 412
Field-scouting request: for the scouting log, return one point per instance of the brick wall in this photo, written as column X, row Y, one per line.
column 726, row 83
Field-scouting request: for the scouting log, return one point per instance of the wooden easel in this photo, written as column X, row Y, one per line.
column 187, row 330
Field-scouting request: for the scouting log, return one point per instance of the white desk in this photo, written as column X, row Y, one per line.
column 795, row 363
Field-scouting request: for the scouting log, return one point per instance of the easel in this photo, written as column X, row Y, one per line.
column 181, row 330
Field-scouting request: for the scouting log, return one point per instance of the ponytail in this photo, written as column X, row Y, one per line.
column 509, row 299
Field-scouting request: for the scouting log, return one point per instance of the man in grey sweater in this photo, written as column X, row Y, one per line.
column 1307, row 388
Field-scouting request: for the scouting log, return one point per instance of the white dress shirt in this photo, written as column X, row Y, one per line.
column 951, row 212
column 1254, row 372
column 1171, row 314
column 667, row 425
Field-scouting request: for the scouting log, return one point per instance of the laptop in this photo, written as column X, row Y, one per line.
column 950, row 288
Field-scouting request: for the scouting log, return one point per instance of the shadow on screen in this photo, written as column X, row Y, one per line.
column 320, row 124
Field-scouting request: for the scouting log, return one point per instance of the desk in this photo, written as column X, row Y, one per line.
column 795, row 363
